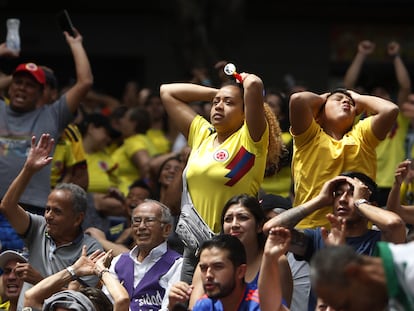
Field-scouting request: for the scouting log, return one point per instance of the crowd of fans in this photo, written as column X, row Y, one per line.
column 306, row 198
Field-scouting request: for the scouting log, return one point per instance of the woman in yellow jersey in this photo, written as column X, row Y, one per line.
column 327, row 142
column 230, row 153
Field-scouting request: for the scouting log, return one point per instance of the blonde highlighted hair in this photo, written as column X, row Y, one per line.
column 276, row 146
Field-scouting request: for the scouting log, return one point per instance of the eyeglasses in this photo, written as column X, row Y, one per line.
column 148, row 221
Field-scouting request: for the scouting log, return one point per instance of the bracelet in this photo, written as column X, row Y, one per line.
column 102, row 272
column 72, row 272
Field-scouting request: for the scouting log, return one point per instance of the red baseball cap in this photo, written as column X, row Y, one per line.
column 34, row 70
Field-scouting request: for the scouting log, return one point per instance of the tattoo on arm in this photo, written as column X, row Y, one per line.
column 292, row 217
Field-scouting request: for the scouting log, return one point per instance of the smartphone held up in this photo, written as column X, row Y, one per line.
column 65, row 22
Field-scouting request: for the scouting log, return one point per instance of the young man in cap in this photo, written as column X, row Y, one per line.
column 12, row 284
column 22, row 119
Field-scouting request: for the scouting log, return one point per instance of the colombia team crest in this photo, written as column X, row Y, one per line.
column 221, row 155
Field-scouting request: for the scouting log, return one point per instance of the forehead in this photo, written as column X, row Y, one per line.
column 61, row 197
column 339, row 96
column 138, row 191
column 172, row 162
column 237, row 208
column 10, row 264
column 214, row 255
column 343, row 186
column 229, row 91
column 147, row 209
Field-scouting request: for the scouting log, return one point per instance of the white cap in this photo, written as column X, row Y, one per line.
column 9, row 255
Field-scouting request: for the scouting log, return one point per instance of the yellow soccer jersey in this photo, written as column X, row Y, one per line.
column 317, row 158
column 69, row 151
column 159, row 140
column 128, row 172
column 281, row 182
column 215, row 174
column 390, row 152
column 102, row 172
column 62, row 159
column 73, row 135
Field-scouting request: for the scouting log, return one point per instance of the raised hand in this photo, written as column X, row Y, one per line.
column 277, row 243
column 39, row 154
column 402, row 171
column 393, row 48
column 85, row 265
column 180, row 292
column 27, row 273
column 366, row 47
column 337, row 234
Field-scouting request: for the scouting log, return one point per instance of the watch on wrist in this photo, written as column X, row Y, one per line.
column 358, row 202
column 102, row 272
column 72, row 272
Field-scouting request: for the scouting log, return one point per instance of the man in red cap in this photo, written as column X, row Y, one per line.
column 22, row 119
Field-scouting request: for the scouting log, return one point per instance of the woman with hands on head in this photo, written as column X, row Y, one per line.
column 229, row 154
column 327, row 141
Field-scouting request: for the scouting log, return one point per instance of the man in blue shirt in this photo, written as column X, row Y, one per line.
column 223, row 267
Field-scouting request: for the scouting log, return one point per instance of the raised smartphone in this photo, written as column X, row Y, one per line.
column 65, row 23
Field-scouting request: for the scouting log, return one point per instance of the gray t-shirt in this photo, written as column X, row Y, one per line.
column 16, row 131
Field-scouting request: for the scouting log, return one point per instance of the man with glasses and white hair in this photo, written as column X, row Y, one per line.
column 151, row 267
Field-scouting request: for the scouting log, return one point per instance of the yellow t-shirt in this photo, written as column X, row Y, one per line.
column 102, row 172
column 391, row 151
column 62, row 159
column 159, row 140
column 281, row 182
column 317, row 158
column 123, row 155
column 4, row 305
column 215, row 174
column 69, row 151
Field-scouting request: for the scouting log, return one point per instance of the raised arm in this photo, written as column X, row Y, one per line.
column 176, row 97
column 35, row 296
column 406, row 212
column 270, row 289
column 117, row 291
column 116, row 248
column 391, row 225
column 365, row 48
column 84, row 77
column 253, row 105
column 38, row 157
column 303, row 108
column 290, row 218
column 401, row 72
column 384, row 112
